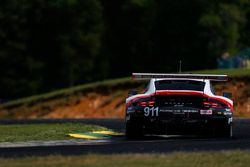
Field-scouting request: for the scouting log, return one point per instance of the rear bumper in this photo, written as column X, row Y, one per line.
column 179, row 122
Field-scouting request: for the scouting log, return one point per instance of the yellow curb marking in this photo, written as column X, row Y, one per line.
column 82, row 136
column 111, row 133
column 94, row 135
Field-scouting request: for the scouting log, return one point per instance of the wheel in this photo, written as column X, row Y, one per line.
column 228, row 131
column 133, row 131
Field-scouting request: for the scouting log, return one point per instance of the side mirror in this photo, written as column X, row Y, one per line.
column 227, row 95
column 132, row 93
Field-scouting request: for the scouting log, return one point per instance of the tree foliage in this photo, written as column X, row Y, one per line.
column 224, row 25
column 60, row 43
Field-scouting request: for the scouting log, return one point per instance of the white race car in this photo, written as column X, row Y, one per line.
column 178, row 104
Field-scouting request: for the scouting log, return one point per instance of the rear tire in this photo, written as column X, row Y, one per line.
column 228, row 131
column 133, row 131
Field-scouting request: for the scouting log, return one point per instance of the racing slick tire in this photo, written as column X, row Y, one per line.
column 133, row 131
column 228, row 131
column 225, row 131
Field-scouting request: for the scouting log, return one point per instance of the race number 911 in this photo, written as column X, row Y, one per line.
column 151, row 111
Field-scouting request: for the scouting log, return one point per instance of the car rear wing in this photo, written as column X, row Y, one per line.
column 147, row 76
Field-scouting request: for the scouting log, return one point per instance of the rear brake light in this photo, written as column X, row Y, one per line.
column 143, row 104
column 209, row 104
column 150, row 103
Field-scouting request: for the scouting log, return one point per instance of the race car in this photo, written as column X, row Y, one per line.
column 178, row 104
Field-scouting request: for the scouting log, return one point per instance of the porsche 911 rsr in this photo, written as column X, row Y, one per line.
column 174, row 104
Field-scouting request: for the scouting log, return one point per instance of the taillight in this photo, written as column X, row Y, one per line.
column 150, row 103
column 143, row 104
column 209, row 104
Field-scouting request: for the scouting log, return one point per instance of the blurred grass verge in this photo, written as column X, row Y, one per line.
column 233, row 73
column 66, row 92
column 200, row 159
column 43, row 132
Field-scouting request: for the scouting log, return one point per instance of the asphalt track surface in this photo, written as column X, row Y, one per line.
column 150, row 144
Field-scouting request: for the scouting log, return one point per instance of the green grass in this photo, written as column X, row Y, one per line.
column 234, row 73
column 201, row 159
column 44, row 132
column 65, row 92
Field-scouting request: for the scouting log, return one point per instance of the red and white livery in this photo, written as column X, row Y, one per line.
column 178, row 104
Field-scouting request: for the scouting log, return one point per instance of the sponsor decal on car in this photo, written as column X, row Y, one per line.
column 151, row 111
column 206, row 112
column 227, row 113
column 178, row 111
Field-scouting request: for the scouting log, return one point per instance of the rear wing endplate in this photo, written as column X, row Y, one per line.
column 147, row 76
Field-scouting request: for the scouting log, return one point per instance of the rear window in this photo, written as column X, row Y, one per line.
column 179, row 85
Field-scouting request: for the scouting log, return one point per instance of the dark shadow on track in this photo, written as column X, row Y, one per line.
column 149, row 144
